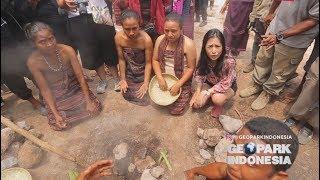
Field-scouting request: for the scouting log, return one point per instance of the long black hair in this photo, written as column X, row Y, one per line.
column 203, row 65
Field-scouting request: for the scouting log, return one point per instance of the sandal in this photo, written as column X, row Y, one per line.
column 305, row 135
column 290, row 122
column 216, row 111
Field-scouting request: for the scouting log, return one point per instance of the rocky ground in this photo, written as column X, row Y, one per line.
column 134, row 135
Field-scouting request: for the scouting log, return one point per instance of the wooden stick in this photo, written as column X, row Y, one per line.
column 41, row 143
column 240, row 115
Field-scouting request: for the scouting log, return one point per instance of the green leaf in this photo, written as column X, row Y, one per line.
column 73, row 175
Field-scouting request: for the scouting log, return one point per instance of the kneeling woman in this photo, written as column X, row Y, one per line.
column 59, row 76
column 215, row 75
column 135, row 53
column 175, row 54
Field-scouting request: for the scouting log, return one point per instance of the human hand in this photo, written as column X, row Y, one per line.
column 96, row 170
column 71, row 4
column 251, row 25
column 194, row 99
column 268, row 19
column 162, row 84
column 123, row 86
column 92, row 106
column 189, row 175
column 175, row 89
column 60, row 122
column 269, row 41
column 142, row 90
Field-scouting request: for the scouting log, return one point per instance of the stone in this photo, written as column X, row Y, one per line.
column 200, row 132
column 122, row 166
column 157, row 171
column 220, row 151
column 143, row 164
column 24, row 125
column 146, row 175
column 202, row 144
column 14, row 148
column 36, row 133
column 212, row 136
column 120, row 151
column 142, row 153
column 29, row 155
column 230, row 124
column 205, row 154
column 7, row 137
column 199, row 159
column 9, row 162
column 131, row 168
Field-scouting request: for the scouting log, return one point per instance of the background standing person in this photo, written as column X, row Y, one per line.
column 175, row 54
column 235, row 25
column 288, row 36
column 95, row 41
column 306, row 107
column 256, row 17
column 47, row 11
column 201, row 9
column 135, row 53
column 151, row 12
column 185, row 8
column 15, row 50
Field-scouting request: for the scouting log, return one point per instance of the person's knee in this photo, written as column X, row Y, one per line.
column 218, row 99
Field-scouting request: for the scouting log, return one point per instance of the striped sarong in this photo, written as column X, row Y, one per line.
column 70, row 101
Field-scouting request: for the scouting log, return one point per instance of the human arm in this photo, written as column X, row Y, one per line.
column 148, row 68
column 67, row 4
column 199, row 80
column 191, row 56
column 228, row 75
column 211, row 171
column 45, row 91
column 122, row 63
column 270, row 39
column 96, row 170
column 80, row 77
column 275, row 4
column 156, row 65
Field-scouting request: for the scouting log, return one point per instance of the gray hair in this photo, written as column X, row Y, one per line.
column 31, row 29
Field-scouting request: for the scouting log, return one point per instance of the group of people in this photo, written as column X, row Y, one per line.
column 156, row 42
column 59, row 77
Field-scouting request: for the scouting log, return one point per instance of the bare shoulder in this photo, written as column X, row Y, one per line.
column 146, row 36
column 35, row 60
column 66, row 48
column 189, row 43
column 119, row 34
column 159, row 39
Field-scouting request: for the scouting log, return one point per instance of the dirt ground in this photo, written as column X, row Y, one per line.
column 151, row 127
